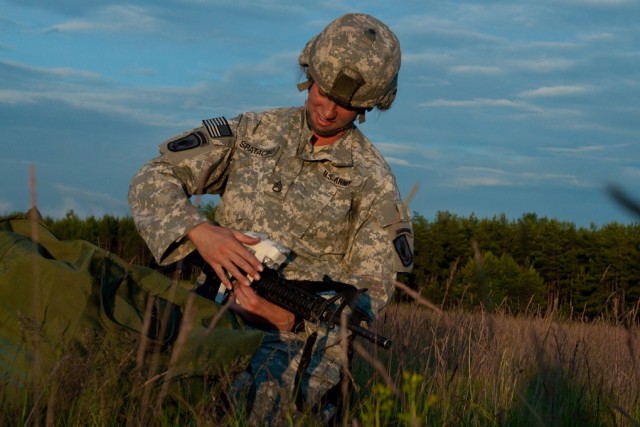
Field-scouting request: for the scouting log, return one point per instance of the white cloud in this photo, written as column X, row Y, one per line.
column 468, row 103
column 477, row 181
column 479, row 169
column 17, row 97
column 470, row 177
column 544, row 65
column 54, row 71
column 397, row 161
column 556, row 179
column 602, row 36
column 565, row 118
column 476, row 103
column 575, row 150
column 557, row 45
column 584, row 149
column 475, row 69
column 420, row 24
column 428, row 58
column 393, row 147
column 561, row 90
column 276, row 7
column 412, row 154
column 429, row 24
column 114, row 18
column 602, row 3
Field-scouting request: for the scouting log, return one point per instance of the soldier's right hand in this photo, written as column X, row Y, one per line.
column 259, row 312
column 223, row 249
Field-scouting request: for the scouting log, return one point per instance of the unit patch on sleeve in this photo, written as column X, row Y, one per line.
column 218, row 127
column 193, row 140
column 403, row 249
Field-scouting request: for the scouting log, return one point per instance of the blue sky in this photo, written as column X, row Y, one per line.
column 504, row 107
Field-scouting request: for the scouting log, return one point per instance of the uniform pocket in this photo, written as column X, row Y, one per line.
column 323, row 214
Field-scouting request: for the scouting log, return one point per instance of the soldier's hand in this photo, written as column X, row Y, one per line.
column 259, row 312
column 223, row 249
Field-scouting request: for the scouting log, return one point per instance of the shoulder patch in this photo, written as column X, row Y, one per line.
column 192, row 140
column 217, row 127
column 403, row 248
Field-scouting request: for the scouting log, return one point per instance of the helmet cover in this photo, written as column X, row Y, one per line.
column 355, row 60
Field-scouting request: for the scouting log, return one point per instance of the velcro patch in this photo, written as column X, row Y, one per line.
column 403, row 249
column 193, row 140
column 217, row 127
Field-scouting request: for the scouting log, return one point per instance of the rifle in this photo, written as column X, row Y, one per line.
column 300, row 297
column 293, row 296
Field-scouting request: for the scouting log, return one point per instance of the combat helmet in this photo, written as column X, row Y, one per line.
column 355, row 60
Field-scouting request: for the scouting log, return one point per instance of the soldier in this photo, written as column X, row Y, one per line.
column 307, row 178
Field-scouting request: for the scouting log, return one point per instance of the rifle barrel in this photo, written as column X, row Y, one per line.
column 383, row 342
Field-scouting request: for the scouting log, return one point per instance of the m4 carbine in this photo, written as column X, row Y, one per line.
column 300, row 298
column 294, row 296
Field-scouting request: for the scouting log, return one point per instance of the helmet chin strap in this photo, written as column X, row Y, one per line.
column 328, row 133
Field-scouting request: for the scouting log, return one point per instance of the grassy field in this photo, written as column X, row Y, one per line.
column 444, row 369
column 479, row 369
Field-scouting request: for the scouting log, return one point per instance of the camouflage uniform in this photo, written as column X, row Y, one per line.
column 336, row 207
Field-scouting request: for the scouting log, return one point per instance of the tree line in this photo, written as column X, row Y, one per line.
column 531, row 264
column 528, row 263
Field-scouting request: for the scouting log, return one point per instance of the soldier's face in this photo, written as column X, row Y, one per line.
column 324, row 115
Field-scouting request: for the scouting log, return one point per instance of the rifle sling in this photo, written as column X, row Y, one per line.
column 305, row 361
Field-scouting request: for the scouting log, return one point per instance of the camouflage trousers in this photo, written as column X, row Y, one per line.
column 274, row 391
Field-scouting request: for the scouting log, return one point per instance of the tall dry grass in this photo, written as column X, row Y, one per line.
column 457, row 368
column 445, row 368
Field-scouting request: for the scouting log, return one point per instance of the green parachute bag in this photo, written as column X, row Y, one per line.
column 66, row 304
